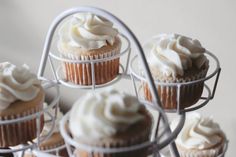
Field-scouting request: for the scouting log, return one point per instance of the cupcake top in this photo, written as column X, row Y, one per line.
column 199, row 132
column 16, row 83
column 87, row 31
column 172, row 54
column 103, row 114
column 47, row 126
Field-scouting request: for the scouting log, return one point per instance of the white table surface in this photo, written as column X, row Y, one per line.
column 24, row 24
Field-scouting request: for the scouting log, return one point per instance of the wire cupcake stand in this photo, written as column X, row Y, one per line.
column 163, row 136
column 157, row 143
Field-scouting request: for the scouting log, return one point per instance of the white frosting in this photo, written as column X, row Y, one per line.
column 103, row 114
column 199, row 132
column 173, row 53
column 88, row 31
column 16, row 83
column 48, row 124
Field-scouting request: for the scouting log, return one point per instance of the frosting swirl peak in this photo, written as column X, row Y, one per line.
column 87, row 31
column 103, row 114
column 199, row 132
column 174, row 53
column 16, row 83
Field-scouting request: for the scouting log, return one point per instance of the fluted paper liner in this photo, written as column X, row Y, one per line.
column 81, row 73
column 22, row 132
column 213, row 152
column 189, row 94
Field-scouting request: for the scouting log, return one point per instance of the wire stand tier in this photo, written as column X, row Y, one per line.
column 163, row 136
column 208, row 92
column 152, row 146
column 53, row 103
column 59, row 71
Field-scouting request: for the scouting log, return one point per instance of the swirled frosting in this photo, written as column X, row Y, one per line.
column 16, row 83
column 87, row 31
column 199, row 132
column 103, row 114
column 174, row 53
column 48, row 125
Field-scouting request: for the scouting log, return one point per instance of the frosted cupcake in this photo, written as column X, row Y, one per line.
column 110, row 120
column 21, row 95
column 200, row 137
column 86, row 37
column 175, row 58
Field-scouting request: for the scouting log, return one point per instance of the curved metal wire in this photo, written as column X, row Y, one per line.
column 123, row 52
column 59, row 74
column 209, row 76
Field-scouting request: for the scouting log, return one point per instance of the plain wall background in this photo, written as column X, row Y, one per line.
column 24, row 24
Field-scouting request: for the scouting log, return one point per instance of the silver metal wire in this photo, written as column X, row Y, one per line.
column 61, row 80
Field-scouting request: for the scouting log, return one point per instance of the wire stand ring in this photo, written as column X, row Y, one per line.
column 151, row 146
column 46, row 86
column 138, row 77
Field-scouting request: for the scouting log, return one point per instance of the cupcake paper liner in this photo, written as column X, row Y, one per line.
column 213, row 152
column 81, row 73
column 118, row 144
column 22, row 132
column 189, row 94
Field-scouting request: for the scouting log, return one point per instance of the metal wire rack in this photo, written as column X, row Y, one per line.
column 157, row 143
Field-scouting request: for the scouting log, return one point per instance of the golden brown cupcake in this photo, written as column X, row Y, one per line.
column 200, row 137
column 110, row 119
column 86, row 37
column 20, row 95
column 175, row 58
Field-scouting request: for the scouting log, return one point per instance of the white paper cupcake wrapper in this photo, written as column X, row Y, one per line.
column 81, row 73
column 189, row 94
column 17, row 133
column 134, row 141
column 214, row 152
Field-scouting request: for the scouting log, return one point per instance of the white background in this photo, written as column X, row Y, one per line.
column 24, row 24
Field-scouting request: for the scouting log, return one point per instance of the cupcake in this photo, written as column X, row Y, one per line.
column 200, row 137
column 175, row 58
column 55, row 140
column 87, row 37
column 110, row 119
column 21, row 94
